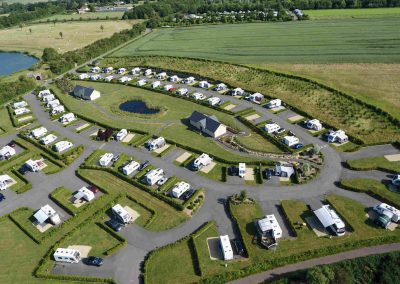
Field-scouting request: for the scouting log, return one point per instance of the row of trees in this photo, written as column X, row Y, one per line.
column 60, row 63
column 164, row 8
column 9, row 90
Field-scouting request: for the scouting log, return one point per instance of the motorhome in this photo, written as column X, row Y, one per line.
column 226, row 247
column 274, row 103
column 95, row 69
column 180, row 188
column 338, row 136
column 156, row 143
column 182, row 91
column 155, row 84
column 124, row 79
column 168, row 87
column 174, row 78
column 271, row 127
column 105, row 160
column 390, row 211
column 62, row 146
column 130, row 167
column 214, row 101
column 48, row 98
column 202, row 161
column 314, row 124
column 48, row 139
column 269, row 230
column 67, row 255
column 83, row 194
column 121, row 135
column 135, row 71
column 95, row 77
column 67, row 118
column 189, row 80
column 141, row 83
column 7, row 152
column 330, row 220
column 20, row 104
column 290, row 140
column 256, row 98
column 43, row 93
column 108, row 70
column 204, row 85
column 153, row 176
column 242, row 170
column 83, row 76
column 109, row 78
column 120, row 71
column 39, row 132
column 237, row 92
column 57, row 110
column 121, row 214
column 148, row 72
column 20, row 111
column 198, row 96
column 221, row 87
column 52, row 104
column 5, row 182
column 161, row 76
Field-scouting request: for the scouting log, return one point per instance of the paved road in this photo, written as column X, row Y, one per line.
column 271, row 274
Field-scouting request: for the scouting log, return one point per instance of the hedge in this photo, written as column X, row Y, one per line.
column 21, row 227
column 59, row 203
column 120, row 238
column 193, row 197
column 153, row 213
column 241, row 229
column 14, row 121
column 340, row 215
column 28, row 184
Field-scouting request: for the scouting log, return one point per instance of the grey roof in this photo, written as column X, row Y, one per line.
column 83, row 92
column 210, row 123
column 41, row 216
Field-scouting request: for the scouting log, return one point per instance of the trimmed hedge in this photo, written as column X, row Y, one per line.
column 28, row 184
column 59, row 203
column 21, row 227
column 120, row 238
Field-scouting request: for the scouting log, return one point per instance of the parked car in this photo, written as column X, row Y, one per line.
column 143, row 165
column 238, row 247
column 115, row 158
column 280, row 130
column 188, row 194
column 94, row 260
column 114, row 224
column 93, row 188
column 268, row 173
column 11, row 144
column 23, row 170
column 233, row 171
column 162, row 181
column 297, row 146
column 2, row 197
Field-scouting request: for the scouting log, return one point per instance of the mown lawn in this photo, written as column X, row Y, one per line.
column 145, row 213
column 5, row 122
column 256, row 142
column 166, row 217
column 344, row 40
column 374, row 163
column 324, row 14
column 339, row 111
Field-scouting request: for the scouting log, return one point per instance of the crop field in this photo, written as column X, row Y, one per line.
column 351, row 13
column 327, row 41
column 75, row 35
column 334, row 109
column 87, row 16
column 376, row 84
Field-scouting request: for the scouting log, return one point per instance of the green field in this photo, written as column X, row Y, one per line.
column 374, row 163
column 351, row 13
column 87, row 16
column 327, row 41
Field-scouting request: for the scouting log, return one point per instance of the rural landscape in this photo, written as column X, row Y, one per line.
column 195, row 141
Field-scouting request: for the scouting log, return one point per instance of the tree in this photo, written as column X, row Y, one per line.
column 102, row 28
column 243, row 195
column 61, row 34
column 50, row 54
column 320, row 275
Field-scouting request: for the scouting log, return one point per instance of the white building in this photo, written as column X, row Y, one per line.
column 237, row 92
column 39, row 132
column 95, row 77
column 48, row 98
column 202, row 161
column 44, row 93
column 67, row 118
column 52, row 104
column 83, row 194
column 256, row 98
column 214, row 101
column 204, row 85
column 130, row 167
column 135, row 71
column 314, row 124
column 123, row 216
column 182, row 91
column 290, row 140
column 174, row 78
column 105, row 160
column 62, row 146
column 180, row 188
column 121, row 135
column 168, row 87
column 108, row 70
column 189, row 80
column 67, row 255
column 124, row 79
column 148, row 72
column 221, row 87
column 20, row 104
column 198, row 96
column 156, row 143
column 5, row 181
column 226, row 247
column 20, row 111
column 242, row 170
column 109, row 78
column 7, row 152
column 83, row 76
column 120, row 71
column 330, row 220
column 155, row 84
column 46, row 214
column 338, row 136
column 153, row 176
column 270, row 226
column 271, row 127
column 48, row 139
column 284, row 170
column 141, row 82
column 274, row 103
column 58, row 109
column 161, row 76
column 390, row 211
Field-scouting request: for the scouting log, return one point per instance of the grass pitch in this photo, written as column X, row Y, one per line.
column 327, row 41
column 351, row 13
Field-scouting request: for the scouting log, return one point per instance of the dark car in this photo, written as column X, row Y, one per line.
column 115, row 225
column 93, row 188
column 233, row 171
column 188, row 194
column 268, row 173
column 23, row 170
column 239, row 247
column 94, row 260
column 11, row 144
column 115, row 158
column 2, row 197
column 297, row 146
column 143, row 165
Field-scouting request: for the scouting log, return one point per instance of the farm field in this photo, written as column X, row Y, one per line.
column 168, row 123
column 376, row 84
column 351, row 13
column 327, row 41
column 339, row 111
column 87, row 16
column 47, row 35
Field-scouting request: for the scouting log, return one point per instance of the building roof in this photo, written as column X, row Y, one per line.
column 83, row 92
column 210, row 123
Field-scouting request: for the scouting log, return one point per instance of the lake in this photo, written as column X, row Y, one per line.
column 137, row 107
column 11, row 62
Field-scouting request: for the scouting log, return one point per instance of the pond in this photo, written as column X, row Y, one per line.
column 11, row 62
column 137, row 107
